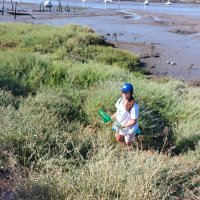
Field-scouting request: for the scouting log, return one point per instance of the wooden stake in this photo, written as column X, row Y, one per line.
column 3, row 7
column 15, row 10
column 12, row 5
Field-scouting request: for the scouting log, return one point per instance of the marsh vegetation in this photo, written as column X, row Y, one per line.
column 54, row 145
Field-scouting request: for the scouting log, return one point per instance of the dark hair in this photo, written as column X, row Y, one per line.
column 131, row 98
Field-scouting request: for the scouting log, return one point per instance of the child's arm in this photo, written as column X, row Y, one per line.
column 114, row 116
column 130, row 123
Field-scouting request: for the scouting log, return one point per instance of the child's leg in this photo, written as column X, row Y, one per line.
column 119, row 138
column 129, row 140
column 129, row 145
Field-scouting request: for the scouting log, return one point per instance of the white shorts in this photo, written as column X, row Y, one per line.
column 129, row 135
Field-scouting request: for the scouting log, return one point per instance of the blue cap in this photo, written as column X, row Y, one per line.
column 127, row 87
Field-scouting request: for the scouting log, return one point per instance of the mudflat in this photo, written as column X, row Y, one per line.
column 168, row 43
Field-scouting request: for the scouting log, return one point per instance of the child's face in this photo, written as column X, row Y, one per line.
column 126, row 95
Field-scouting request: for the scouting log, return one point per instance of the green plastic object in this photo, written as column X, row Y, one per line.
column 104, row 116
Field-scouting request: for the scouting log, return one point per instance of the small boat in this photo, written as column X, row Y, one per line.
column 146, row 3
column 48, row 4
column 105, row 1
column 12, row 12
column 168, row 3
column 17, row 12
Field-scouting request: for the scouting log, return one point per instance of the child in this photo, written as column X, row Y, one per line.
column 126, row 116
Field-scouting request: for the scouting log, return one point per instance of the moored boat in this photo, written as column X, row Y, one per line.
column 168, row 3
column 105, row 1
column 17, row 12
column 146, row 2
column 48, row 4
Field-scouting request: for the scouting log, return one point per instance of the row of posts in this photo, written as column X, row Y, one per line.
column 42, row 8
column 11, row 4
column 13, row 9
column 58, row 9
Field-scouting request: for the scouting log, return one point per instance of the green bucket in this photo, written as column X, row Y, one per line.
column 104, row 116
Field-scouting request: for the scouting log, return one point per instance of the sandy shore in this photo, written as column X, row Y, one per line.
column 167, row 44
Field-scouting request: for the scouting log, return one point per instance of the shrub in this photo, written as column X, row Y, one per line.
column 7, row 99
column 17, row 68
column 37, row 136
column 29, row 72
column 65, row 103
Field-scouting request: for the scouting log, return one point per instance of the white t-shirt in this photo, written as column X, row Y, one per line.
column 123, row 116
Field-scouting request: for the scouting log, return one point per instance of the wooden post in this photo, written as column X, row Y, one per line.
column 68, row 9
column 12, row 5
column 60, row 7
column 15, row 10
column 3, row 7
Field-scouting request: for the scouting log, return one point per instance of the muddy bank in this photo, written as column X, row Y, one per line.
column 168, row 44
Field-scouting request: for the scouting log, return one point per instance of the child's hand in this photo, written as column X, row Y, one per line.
column 119, row 125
